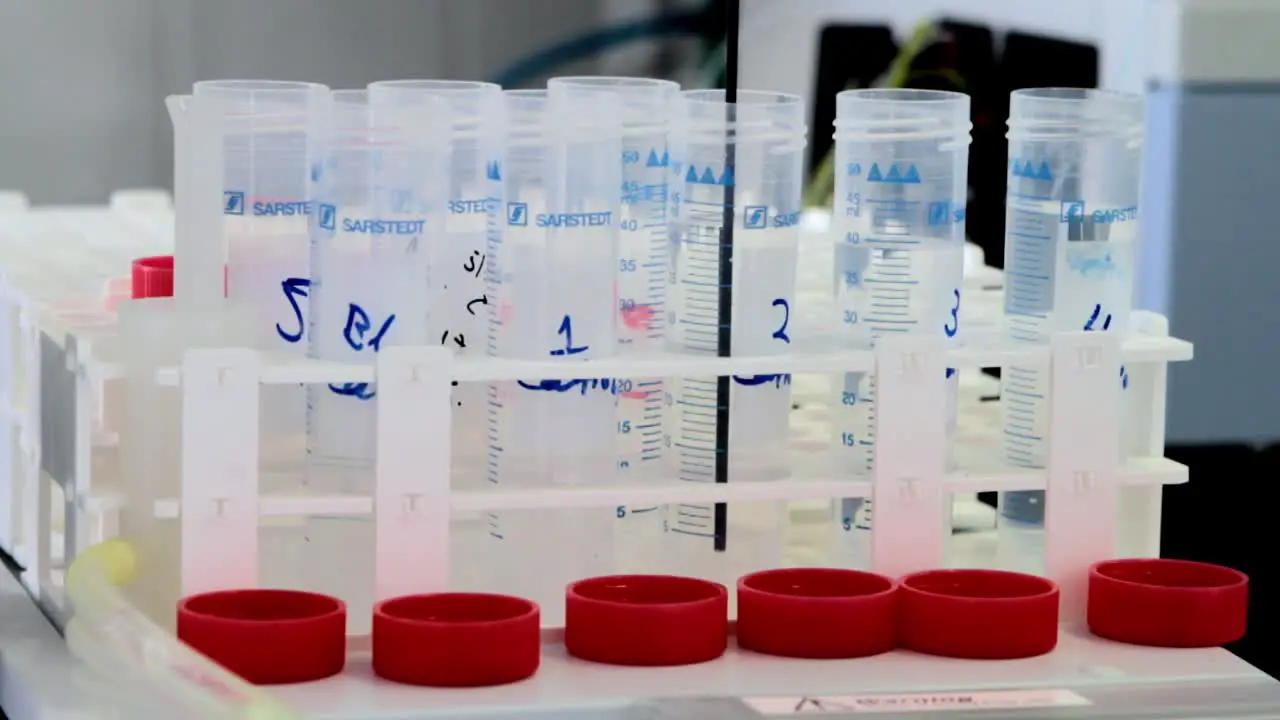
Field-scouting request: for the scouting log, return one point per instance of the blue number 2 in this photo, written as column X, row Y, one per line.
column 294, row 289
column 781, row 333
column 777, row 379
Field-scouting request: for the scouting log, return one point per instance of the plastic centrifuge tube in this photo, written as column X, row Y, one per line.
column 902, row 159
column 642, row 280
column 380, row 201
column 553, row 268
column 735, row 164
column 267, row 131
column 1070, row 234
column 458, row 264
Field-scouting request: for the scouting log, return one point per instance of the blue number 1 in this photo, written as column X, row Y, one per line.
column 566, row 329
column 781, row 333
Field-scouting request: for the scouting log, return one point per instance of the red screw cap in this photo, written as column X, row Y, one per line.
column 646, row 620
column 1167, row 603
column 267, row 637
column 456, row 639
column 978, row 614
column 153, row 277
column 817, row 613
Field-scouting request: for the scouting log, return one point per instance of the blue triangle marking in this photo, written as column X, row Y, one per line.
column 874, row 175
column 894, row 175
column 912, row 176
column 692, row 175
column 653, row 160
column 493, row 171
column 708, row 177
column 726, row 178
column 1028, row 170
column 1044, row 173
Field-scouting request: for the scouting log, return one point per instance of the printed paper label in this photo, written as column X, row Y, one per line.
column 915, row 702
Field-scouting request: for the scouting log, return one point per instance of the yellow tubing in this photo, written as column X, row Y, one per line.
column 109, row 630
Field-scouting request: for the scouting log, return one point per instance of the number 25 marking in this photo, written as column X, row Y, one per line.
column 781, row 333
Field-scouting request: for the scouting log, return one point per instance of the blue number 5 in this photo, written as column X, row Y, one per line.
column 781, row 333
column 294, row 288
column 952, row 327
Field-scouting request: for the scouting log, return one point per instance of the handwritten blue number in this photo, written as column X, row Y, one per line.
column 1106, row 325
column 357, row 327
column 777, row 379
column 1093, row 319
column 566, row 329
column 781, row 333
column 951, row 328
column 581, row 384
column 294, row 288
column 358, row 324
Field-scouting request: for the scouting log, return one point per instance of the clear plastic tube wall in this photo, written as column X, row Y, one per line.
column 462, row 304
column 733, row 165
column 379, row 217
column 267, row 132
column 902, row 161
column 1071, row 232
column 646, row 106
column 553, row 267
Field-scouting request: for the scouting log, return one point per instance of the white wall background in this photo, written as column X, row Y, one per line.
column 82, row 82
column 779, row 37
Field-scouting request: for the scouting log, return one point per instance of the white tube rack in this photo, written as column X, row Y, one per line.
column 148, row 432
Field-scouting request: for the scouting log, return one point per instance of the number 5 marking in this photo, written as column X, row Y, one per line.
column 294, row 289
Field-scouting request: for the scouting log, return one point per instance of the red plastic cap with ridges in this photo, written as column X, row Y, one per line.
column 817, row 613
column 456, row 639
column 153, row 277
column 646, row 620
column 978, row 614
column 1167, row 603
column 267, row 637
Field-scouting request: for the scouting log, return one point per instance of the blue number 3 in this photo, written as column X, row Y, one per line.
column 953, row 326
column 781, row 333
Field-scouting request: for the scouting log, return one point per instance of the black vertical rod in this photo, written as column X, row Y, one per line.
column 724, row 337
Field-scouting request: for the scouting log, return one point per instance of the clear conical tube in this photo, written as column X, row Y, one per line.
column 1070, row 234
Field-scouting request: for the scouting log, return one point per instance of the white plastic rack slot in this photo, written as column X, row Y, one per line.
column 123, row 418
